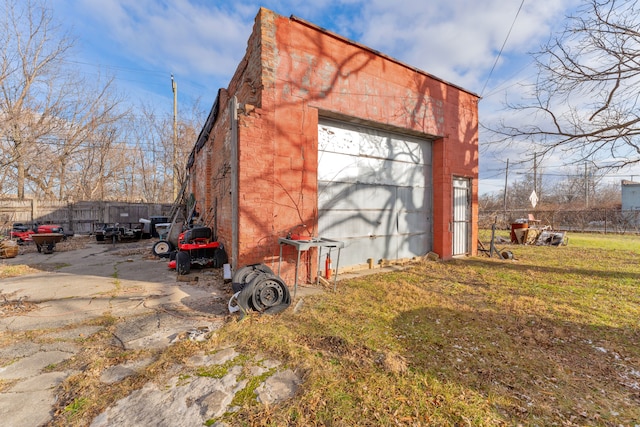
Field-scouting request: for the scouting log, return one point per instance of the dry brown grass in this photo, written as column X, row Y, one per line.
column 550, row 338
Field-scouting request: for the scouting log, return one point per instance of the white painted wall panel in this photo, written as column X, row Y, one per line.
column 335, row 167
column 346, row 196
column 361, row 141
column 334, row 139
column 374, row 192
column 416, row 198
column 388, row 172
column 413, row 222
column 361, row 223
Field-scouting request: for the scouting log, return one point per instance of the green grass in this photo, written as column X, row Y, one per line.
column 607, row 241
column 76, row 406
column 549, row 338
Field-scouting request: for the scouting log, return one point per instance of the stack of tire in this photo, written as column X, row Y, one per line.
column 257, row 288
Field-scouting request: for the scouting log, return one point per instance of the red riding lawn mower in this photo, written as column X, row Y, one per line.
column 23, row 233
column 197, row 249
column 45, row 236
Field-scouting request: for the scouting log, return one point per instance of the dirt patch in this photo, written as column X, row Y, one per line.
column 134, row 251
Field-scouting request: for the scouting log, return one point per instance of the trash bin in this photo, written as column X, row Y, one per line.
column 157, row 220
column 163, row 230
column 518, row 232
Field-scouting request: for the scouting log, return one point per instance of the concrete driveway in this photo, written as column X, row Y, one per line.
column 51, row 314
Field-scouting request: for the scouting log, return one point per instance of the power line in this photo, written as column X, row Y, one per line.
column 502, row 48
column 119, row 67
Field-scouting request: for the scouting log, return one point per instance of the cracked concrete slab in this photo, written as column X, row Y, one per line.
column 183, row 401
column 278, row 387
column 156, row 330
column 32, row 365
column 26, row 409
column 117, row 373
column 78, row 333
column 150, row 311
column 43, row 381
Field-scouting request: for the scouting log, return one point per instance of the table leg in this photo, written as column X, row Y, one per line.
column 295, row 282
column 335, row 277
column 318, row 268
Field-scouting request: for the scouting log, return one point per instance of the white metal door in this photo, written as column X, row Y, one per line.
column 374, row 192
column 461, row 216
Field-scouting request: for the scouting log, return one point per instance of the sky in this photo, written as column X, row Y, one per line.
column 480, row 45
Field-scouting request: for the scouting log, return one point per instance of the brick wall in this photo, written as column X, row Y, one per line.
column 292, row 74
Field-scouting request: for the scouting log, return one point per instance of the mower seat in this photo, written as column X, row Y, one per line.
column 197, row 234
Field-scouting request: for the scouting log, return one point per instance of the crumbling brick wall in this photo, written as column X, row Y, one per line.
column 294, row 73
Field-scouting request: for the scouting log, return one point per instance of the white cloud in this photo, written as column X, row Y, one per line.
column 178, row 35
column 458, row 40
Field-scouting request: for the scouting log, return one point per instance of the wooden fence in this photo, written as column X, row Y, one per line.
column 79, row 217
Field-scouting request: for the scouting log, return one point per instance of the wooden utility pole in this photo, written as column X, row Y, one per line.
column 586, row 186
column 506, row 181
column 535, row 172
column 174, row 88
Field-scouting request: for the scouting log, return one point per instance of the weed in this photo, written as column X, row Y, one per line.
column 75, row 407
column 116, row 280
column 219, row 371
column 247, row 395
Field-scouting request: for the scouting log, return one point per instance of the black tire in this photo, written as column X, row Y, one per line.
column 264, row 268
column 162, row 249
column 244, row 298
column 99, row 237
column 172, row 255
column 246, row 274
column 238, row 281
column 269, row 294
column 183, row 263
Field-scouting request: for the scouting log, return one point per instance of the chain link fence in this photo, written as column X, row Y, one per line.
column 595, row 220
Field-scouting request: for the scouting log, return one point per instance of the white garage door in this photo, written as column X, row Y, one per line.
column 374, row 192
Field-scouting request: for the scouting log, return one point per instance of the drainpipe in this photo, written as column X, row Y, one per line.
column 233, row 122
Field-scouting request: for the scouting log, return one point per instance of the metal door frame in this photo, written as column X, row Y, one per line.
column 461, row 221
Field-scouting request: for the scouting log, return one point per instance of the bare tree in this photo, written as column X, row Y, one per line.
column 154, row 136
column 585, row 99
column 49, row 113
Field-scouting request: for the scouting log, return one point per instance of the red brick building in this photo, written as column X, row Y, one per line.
column 320, row 136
